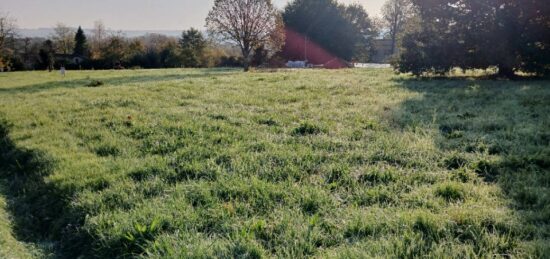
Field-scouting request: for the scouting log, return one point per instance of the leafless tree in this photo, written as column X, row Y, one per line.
column 7, row 34
column 99, row 35
column 379, row 26
column 27, row 55
column 63, row 38
column 250, row 24
column 7, row 29
column 395, row 14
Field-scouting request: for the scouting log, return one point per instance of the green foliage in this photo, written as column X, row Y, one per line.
column 345, row 31
column 192, row 44
column 210, row 163
column 455, row 161
column 80, row 44
column 47, row 55
column 113, row 51
column 464, row 36
column 451, row 191
column 140, row 235
column 378, row 177
column 107, row 150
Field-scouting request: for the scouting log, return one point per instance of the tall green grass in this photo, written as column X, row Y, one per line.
column 312, row 163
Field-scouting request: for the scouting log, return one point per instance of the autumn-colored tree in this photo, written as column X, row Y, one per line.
column 7, row 34
column 98, row 39
column 63, row 38
column 113, row 51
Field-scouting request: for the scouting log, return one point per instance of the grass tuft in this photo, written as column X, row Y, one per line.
column 451, row 191
column 307, row 128
column 378, row 177
column 455, row 161
column 106, row 150
column 268, row 122
column 95, row 83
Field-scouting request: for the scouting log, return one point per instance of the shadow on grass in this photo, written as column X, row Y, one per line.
column 41, row 214
column 498, row 129
column 115, row 81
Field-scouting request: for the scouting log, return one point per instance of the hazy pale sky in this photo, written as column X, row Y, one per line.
column 125, row 14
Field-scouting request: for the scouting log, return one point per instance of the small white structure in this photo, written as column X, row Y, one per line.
column 371, row 65
column 296, row 64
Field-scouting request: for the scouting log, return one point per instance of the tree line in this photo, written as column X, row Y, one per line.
column 345, row 31
column 509, row 35
column 103, row 49
column 427, row 37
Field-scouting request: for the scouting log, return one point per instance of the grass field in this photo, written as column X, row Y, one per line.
column 292, row 164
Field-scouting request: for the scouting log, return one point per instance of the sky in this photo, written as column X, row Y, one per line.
column 125, row 14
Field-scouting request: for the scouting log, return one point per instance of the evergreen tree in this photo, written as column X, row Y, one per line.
column 81, row 44
column 192, row 44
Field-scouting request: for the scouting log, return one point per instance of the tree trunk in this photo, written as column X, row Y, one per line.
column 395, row 27
column 246, row 60
column 393, row 43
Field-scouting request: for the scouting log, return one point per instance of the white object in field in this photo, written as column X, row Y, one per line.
column 62, row 71
column 296, row 64
column 371, row 65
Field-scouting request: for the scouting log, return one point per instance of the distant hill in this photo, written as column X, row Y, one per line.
column 46, row 32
